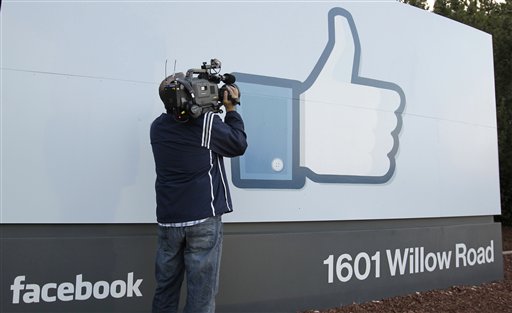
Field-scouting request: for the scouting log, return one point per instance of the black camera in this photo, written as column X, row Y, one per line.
column 197, row 92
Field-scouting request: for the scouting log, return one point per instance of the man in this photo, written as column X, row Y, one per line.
column 192, row 194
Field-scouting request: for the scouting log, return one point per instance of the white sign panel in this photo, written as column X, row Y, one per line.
column 351, row 113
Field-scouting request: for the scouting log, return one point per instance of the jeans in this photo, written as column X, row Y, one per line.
column 196, row 251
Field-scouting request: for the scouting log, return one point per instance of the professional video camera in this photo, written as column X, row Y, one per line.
column 197, row 92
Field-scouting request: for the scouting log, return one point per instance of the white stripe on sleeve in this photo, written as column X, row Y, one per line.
column 207, row 129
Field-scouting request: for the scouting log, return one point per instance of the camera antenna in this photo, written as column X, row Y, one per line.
column 174, row 70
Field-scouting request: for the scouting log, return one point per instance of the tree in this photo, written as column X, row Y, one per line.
column 422, row 4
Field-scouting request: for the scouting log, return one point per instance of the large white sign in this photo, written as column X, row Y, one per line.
column 354, row 110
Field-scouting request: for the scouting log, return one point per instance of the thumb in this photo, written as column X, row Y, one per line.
column 338, row 58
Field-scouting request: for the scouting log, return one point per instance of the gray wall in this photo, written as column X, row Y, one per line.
column 266, row 267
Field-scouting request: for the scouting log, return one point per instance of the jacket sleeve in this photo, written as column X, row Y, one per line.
column 226, row 138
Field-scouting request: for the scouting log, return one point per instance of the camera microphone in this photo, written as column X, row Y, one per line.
column 228, row 79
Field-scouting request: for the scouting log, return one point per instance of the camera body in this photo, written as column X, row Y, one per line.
column 205, row 85
column 195, row 93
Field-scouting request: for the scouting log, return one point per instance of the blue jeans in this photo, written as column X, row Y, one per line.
column 196, row 251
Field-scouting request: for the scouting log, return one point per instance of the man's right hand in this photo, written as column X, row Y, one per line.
column 230, row 105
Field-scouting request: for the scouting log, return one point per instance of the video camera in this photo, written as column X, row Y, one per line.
column 197, row 92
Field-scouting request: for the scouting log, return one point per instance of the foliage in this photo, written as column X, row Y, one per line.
column 422, row 4
column 495, row 18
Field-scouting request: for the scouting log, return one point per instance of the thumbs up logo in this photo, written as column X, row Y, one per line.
column 335, row 127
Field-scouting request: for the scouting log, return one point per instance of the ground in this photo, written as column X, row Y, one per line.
column 493, row 297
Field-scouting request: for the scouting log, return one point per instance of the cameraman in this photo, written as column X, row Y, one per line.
column 192, row 194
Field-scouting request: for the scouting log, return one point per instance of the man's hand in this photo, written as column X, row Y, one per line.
column 230, row 104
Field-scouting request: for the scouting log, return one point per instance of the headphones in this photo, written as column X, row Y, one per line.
column 178, row 97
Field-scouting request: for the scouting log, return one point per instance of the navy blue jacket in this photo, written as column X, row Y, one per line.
column 191, row 182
